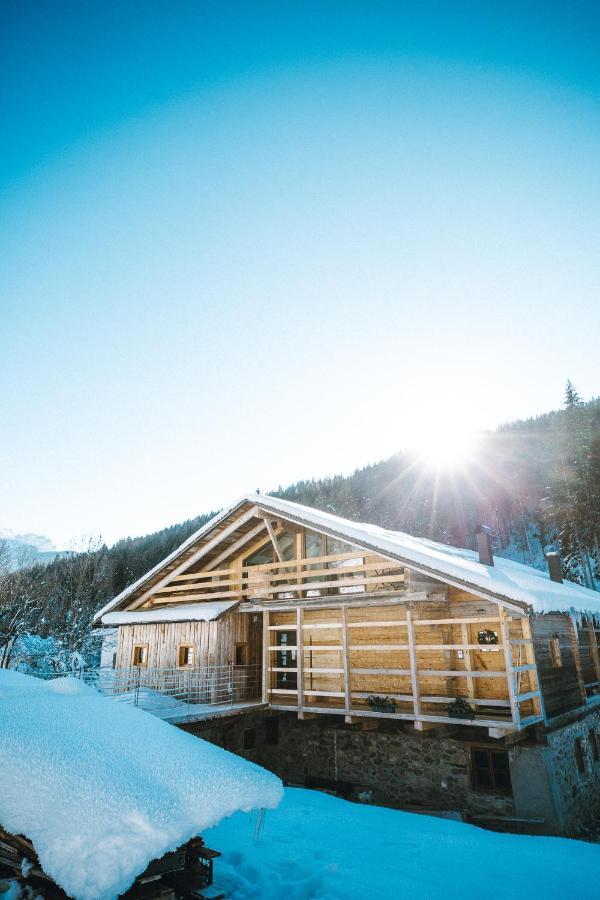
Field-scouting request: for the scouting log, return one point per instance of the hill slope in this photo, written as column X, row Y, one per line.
column 534, row 483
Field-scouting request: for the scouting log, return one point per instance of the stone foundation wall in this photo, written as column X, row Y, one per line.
column 576, row 794
column 389, row 766
column 384, row 766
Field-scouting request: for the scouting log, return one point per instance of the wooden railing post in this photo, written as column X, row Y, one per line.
column 510, row 674
column 266, row 675
column 300, row 657
column 414, row 674
column 346, row 662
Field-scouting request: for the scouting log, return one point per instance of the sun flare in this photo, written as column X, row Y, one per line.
column 443, row 448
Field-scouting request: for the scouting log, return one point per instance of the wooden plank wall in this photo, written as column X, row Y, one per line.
column 562, row 687
column 214, row 642
column 373, row 649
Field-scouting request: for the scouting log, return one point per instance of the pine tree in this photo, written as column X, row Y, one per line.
column 572, row 398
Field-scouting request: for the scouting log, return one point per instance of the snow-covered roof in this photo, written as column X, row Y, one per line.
column 507, row 580
column 184, row 612
column 102, row 788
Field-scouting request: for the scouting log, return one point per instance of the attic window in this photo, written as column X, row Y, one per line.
column 140, row 655
column 555, row 653
column 185, row 655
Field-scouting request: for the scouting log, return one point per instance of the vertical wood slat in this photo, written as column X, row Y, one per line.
column 510, row 675
column 414, row 676
column 345, row 660
column 468, row 659
column 266, row 658
column 300, row 656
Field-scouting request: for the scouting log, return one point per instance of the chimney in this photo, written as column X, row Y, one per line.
column 484, row 545
column 554, row 566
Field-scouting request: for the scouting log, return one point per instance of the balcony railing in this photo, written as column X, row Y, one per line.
column 179, row 695
column 340, row 573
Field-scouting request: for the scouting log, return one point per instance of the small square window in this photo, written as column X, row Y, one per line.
column 140, row 655
column 555, row 653
column 490, row 770
column 186, row 655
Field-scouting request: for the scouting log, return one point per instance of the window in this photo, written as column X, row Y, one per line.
column 593, row 739
column 490, row 770
column 140, row 655
column 249, row 738
column 555, row 654
column 580, row 755
column 185, row 655
column 286, row 659
column 272, row 731
column 114, row 660
column 241, row 654
column 487, row 636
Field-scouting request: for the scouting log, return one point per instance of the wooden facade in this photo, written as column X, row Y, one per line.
column 341, row 628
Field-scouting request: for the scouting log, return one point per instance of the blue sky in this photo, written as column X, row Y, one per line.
column 243, row 244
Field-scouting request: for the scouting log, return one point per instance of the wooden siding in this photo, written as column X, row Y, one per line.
column 213, row 642
column 562, row 687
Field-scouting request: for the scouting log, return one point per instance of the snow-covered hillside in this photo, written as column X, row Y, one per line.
column 317, row 847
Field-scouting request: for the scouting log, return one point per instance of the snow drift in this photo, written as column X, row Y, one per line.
column 103, row 788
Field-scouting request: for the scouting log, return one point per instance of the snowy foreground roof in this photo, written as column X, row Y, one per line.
column 507, row 580
column 102, row 788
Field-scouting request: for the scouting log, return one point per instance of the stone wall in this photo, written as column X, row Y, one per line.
column 384, row 766
column 576, row 794
column 390, row 766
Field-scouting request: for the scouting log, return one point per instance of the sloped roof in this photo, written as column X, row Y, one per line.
column 529, row 588
column 182, row 612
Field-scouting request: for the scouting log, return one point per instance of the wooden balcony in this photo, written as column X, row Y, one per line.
column 340, row 660
column 322, row 576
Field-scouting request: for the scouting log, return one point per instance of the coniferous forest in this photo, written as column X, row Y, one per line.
column 534, row 483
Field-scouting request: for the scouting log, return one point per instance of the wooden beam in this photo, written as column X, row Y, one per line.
column 202, row 551
column 274, row 540
column 466, row 648
column 233, row 548
column 414, row 675
column 510, row 669
column 300, row 655
column 345, row 658
column 266, row 659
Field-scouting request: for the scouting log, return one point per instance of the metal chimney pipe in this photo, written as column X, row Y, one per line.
column 484, row 545
column 554, row 567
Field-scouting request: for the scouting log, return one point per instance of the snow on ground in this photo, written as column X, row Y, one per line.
column 102, row 788
column 317, row 847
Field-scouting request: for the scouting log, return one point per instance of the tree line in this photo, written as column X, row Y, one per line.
column 534, row 483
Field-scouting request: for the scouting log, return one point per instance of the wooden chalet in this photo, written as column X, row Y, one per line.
column 349, row 619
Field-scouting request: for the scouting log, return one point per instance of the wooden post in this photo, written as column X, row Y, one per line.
column 345, row 661
column 468, row 660
column 510, row 675
column 414, row 676
column 300, row 656
column 266, row 678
